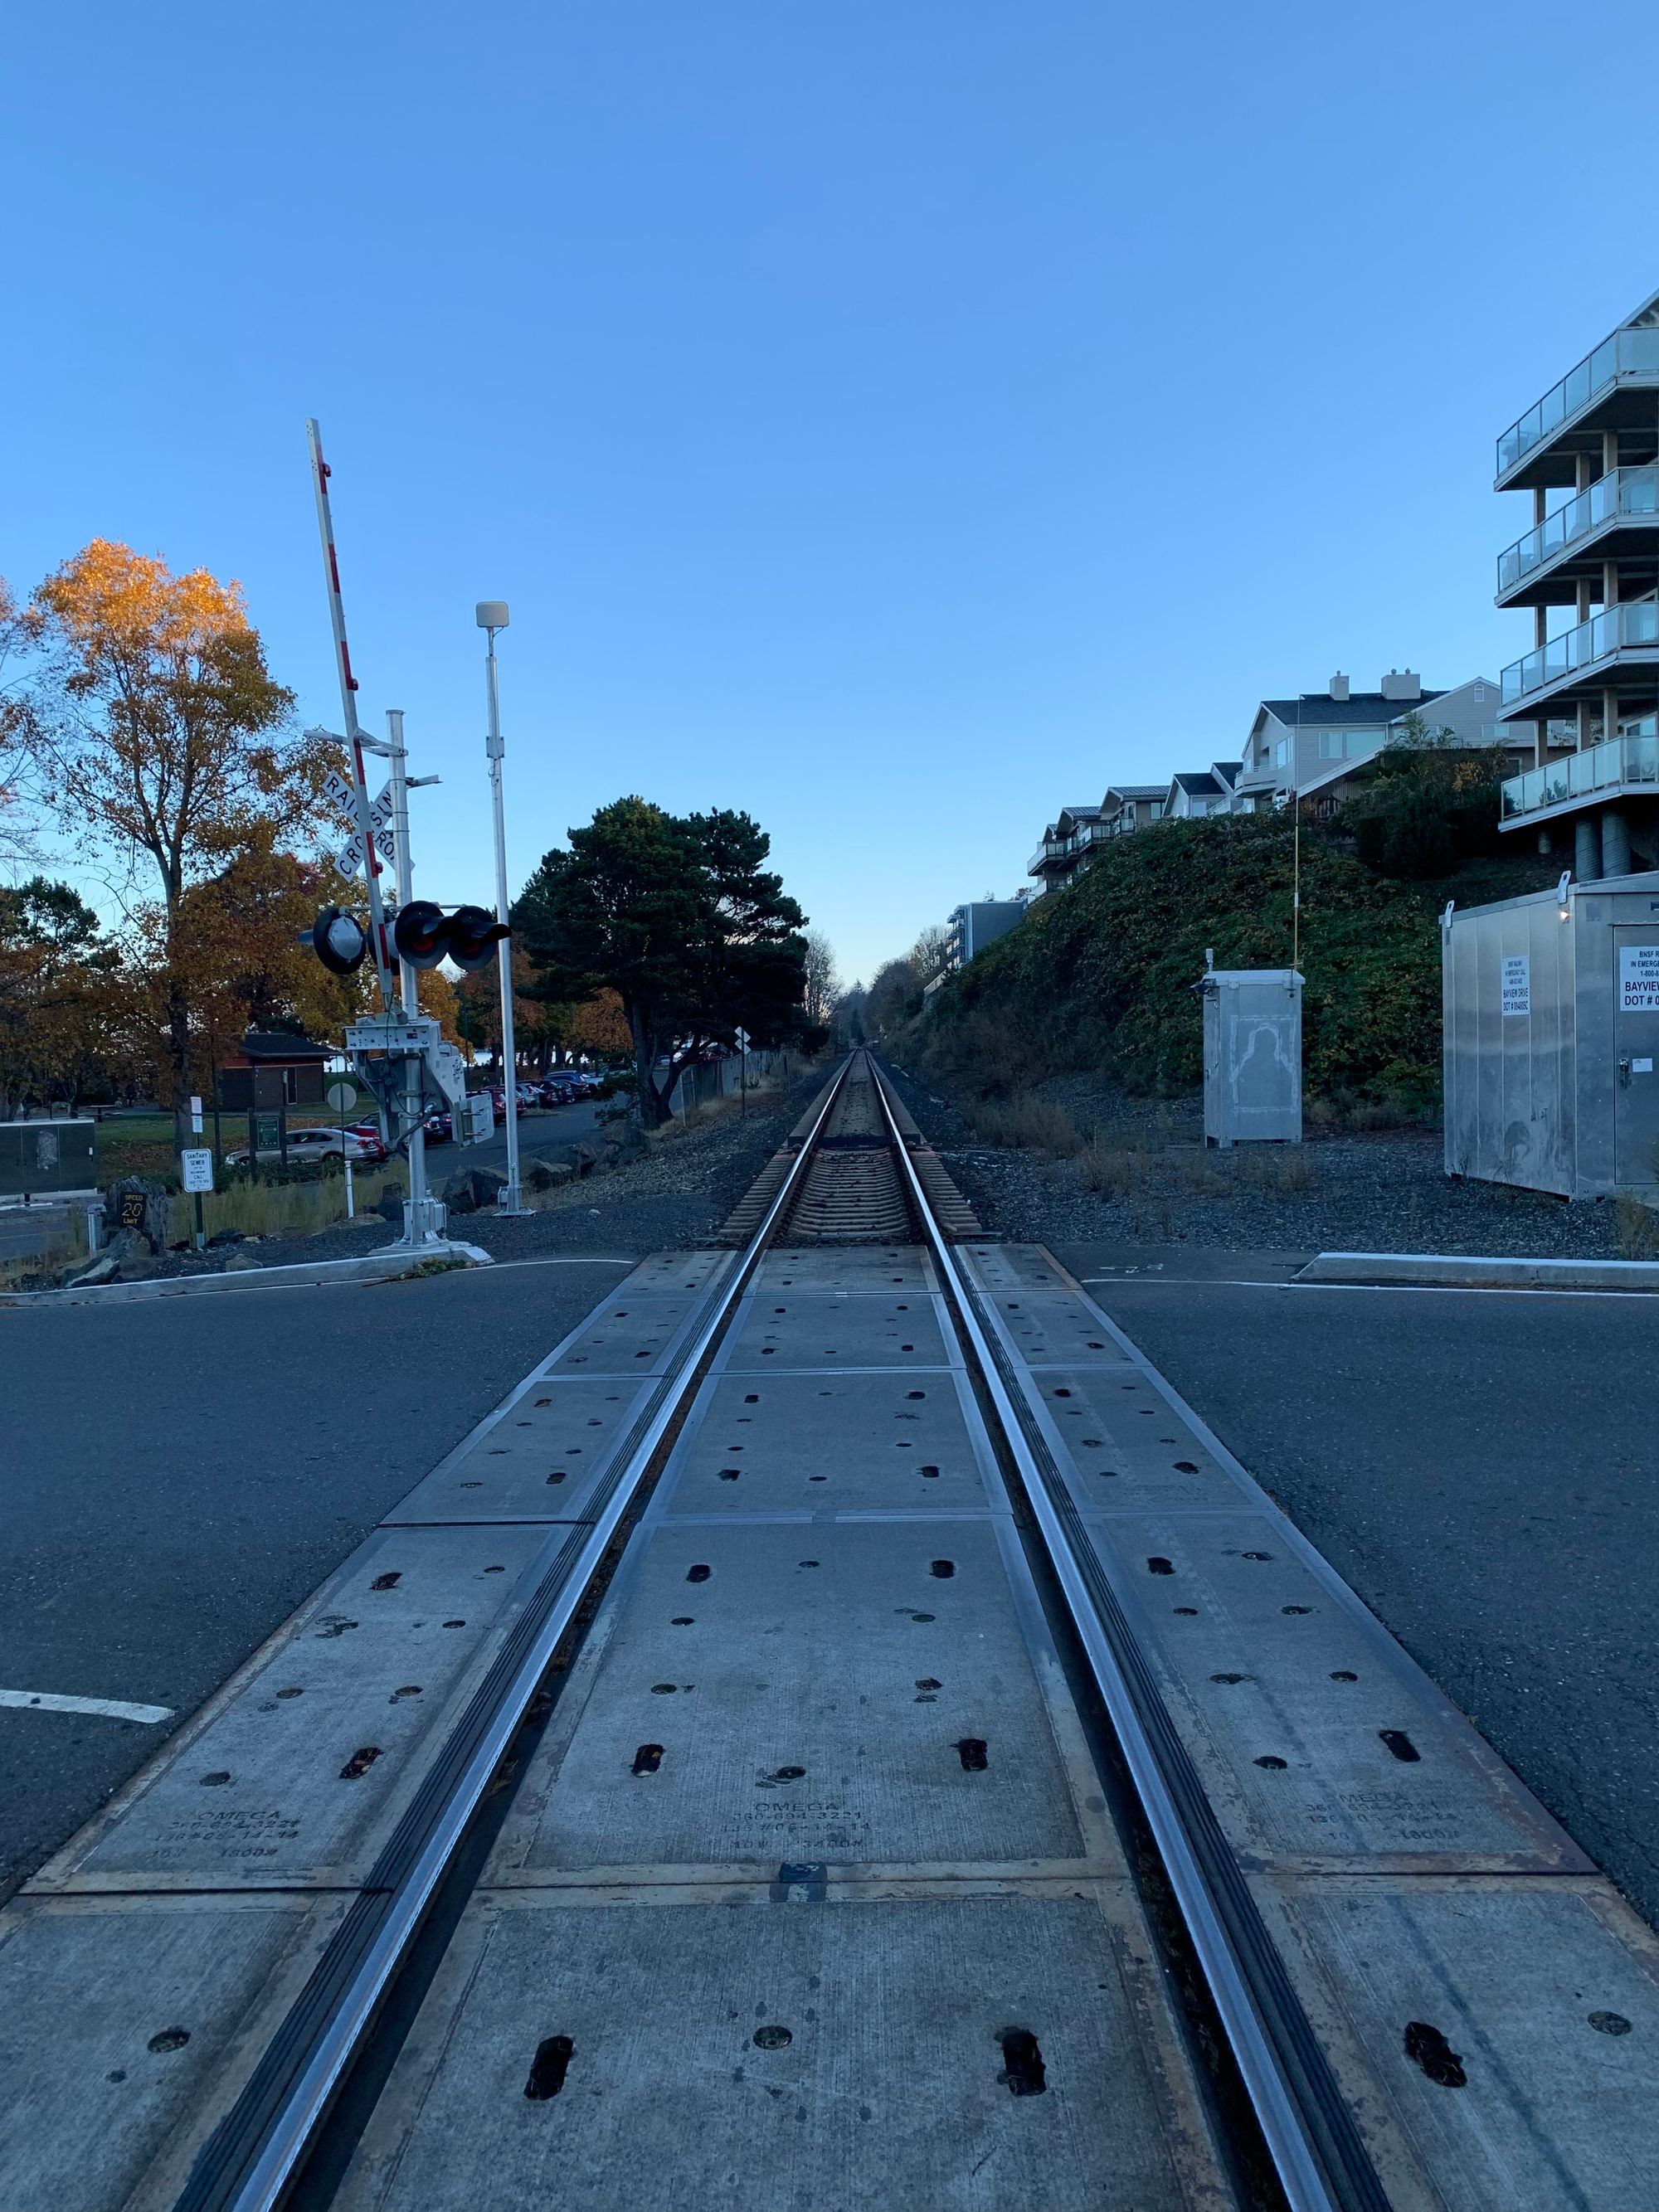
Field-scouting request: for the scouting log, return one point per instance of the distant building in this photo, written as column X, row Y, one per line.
column 1313, row 746
column 972, row 927
column 268, row 1071
column 1194, row 791
column 1129, row 807
column 1068, row 847
column 1589, row 696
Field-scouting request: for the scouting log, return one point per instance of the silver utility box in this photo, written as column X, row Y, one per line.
column 1252, row 1056
column 1551, row 1039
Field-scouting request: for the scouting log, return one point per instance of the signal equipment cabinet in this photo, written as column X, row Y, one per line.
column 1551, row 1007
column 1252, row 1056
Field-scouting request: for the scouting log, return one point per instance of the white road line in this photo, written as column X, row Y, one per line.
column 1372, row 1290
column 108, row 1708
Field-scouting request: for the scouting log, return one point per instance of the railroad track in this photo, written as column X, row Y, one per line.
column 1122, row 1858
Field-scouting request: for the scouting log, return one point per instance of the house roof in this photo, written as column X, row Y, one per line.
column 1198, row 782
column 296, row 1051
column 1318, row 710
column 1226, row 771
column 1125, row 792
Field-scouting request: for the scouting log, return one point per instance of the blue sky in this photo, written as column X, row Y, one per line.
column 898, row 419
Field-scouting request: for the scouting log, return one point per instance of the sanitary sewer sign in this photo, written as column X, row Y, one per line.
column 1638, row 979
column 1515, row 984
column 197, row 1162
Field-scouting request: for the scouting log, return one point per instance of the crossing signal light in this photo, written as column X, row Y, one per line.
column 424, row 934
column 419, row 934
column 339, row 940
column 474, row 933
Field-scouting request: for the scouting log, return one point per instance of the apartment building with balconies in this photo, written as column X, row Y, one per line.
column 1316, row 746
column 1588, row 570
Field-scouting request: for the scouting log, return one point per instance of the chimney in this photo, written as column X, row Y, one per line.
column 1338, row 685
column 1401, row 683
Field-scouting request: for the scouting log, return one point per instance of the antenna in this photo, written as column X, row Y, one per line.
column 321, row 473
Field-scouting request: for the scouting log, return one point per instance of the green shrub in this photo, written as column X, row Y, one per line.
column 1101, row 976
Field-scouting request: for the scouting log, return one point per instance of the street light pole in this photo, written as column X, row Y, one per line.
column 492, row 616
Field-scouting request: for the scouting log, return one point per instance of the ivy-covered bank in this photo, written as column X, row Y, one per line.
column 1100, row 976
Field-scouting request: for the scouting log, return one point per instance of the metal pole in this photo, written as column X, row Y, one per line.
column 408, row 985
column 511, row 1198
column 321, row 473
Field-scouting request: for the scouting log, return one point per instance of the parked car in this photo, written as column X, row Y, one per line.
column 558, row 1090
column 440, row 1129
column 317, row 1145
column 368, row 1134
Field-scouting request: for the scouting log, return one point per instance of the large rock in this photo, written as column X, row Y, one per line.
column 470, row 1190
column 390, row 1204
column 542, row 1174
column 137, row 1208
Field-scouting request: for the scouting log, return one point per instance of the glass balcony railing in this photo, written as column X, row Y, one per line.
column 1626, row 354
column 1621, row 491
column 1598, row 767
column 1635, row 623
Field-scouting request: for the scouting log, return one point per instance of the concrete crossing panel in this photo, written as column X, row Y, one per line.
column 542, row 1460
column 758, row 1692
column 294, row 1776
column 785, row 2058
column 819, row 1444
column 127, row 2026
column 815, row 1329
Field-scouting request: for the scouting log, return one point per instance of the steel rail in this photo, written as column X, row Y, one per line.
column 256, row 2151
column 1321, row 2163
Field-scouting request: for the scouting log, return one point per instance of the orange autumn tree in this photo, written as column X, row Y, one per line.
column 161, row 736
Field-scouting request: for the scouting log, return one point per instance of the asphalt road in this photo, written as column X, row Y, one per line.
column 176, row 1477
column 1481, row 1467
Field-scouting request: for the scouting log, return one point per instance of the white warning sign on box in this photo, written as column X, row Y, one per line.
column 1638, row 979
column 1515, row 983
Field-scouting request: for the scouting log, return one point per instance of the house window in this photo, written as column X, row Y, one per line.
column 1281, row 752
column 1330, row 745
column 1480, row 694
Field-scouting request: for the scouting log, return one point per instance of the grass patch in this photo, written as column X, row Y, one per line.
column 1637, row 1227
column 291, row 1209
column 1026, row 1120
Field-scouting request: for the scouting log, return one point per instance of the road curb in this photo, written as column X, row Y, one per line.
column 382, row 1267
column 1427, row 1270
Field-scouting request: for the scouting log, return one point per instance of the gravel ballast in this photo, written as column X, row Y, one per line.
column 1370, row 1191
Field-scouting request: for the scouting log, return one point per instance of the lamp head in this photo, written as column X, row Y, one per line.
column 492, row 614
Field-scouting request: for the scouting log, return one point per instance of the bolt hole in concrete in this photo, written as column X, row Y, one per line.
column 170, row 2038
column 681, row 1620
column 942, row 1570
column 1023, row 2069
column 389, row 1580
column 1609, row 2023
column 972, row 1751
column 663, row 1689
column 753, row 1398
column 728, row 1474
column 548, row 2068
column 1232, row 1677
column 1189, row 1611
column 647, row 1759
column 915, row 1394
column 1186, row 1466
column 1297, row 1609
column 698, row 1574
column 818, row 1477
column 454, row 1624
column 930, row 1472
column 1401, row 1746
column 359, row 1762
column 1343, row 1674
column 772, row 2038
column 290, row 1694
column 1275, row 1766
column 215, row 1781
column 558, row 1475
column 1255, row 1555
column 809, row 1563
column 1159, row 1566
column 1428, row 2049
column 408, row 1690
column 785, row 1774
